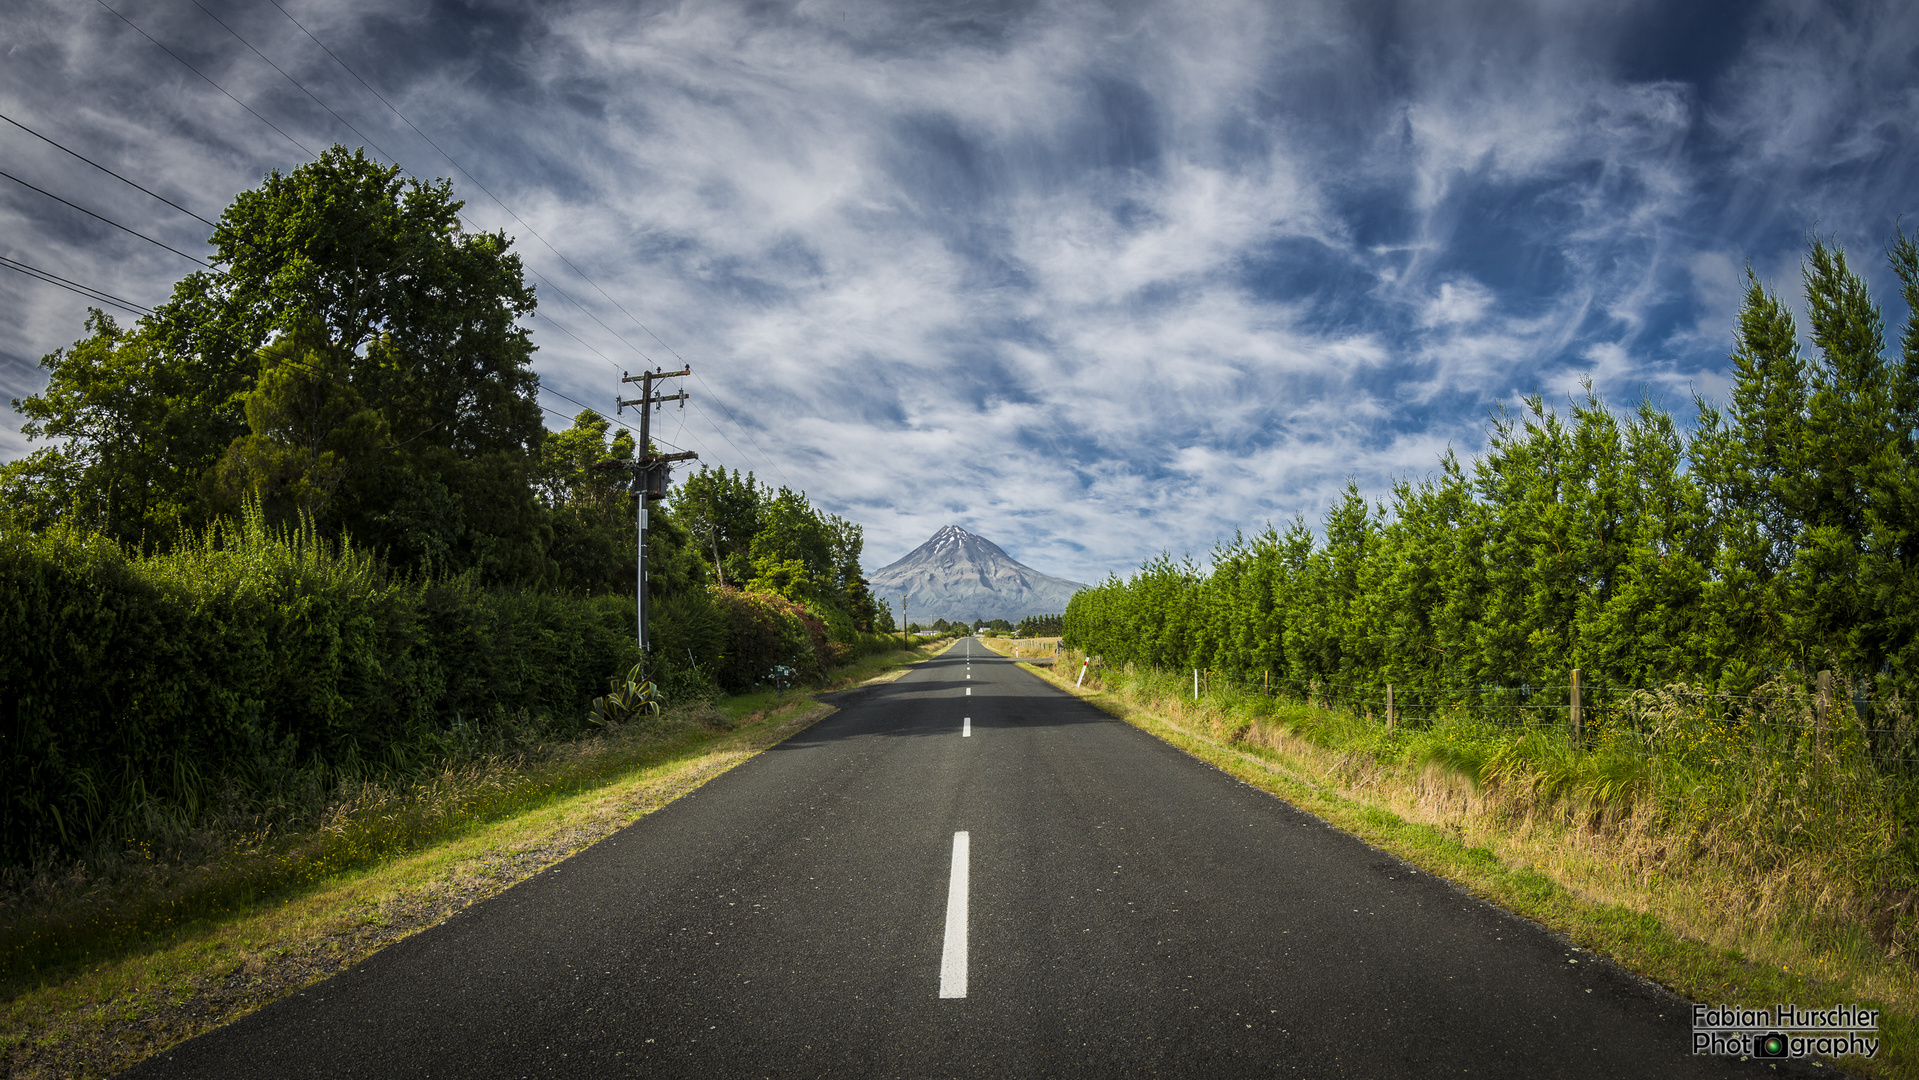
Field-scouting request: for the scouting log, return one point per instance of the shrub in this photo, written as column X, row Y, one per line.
column 258, row 668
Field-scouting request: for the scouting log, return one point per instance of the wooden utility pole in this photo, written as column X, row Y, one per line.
column 652, row 472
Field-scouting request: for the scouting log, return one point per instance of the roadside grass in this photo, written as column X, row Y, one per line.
column 99, row 970
column 1022, row 648
column 1657, row 870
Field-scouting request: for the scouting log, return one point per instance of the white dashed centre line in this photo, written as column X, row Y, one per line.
column 966, row 729
column 953, row 957
column 969, row 691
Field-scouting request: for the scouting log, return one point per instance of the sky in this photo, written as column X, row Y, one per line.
column 1091, row 280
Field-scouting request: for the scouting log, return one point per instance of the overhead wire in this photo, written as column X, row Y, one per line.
column 210, row 82
column 588, row 408
column 302, row 88
column 104, row 169
column 378, row 149
column 87, row 291
column 348, row 68
column 543, row 240
column 367, row 140
column 608, row 419
column 110, row 221
column 475, row 182
column 764, row 456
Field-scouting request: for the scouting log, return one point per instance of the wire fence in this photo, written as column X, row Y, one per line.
column 1831, row 716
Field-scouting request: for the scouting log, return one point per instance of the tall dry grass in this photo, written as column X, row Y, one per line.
column 54, row 916
column 1742, row 832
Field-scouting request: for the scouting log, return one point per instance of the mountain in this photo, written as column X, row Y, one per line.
column 961, row 577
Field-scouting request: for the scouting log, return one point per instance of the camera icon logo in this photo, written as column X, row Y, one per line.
column 1770, row 1045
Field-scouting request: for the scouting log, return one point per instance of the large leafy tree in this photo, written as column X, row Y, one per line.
column 722, row 510
column 354, row 356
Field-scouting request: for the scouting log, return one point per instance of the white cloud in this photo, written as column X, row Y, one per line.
column 1092, row 280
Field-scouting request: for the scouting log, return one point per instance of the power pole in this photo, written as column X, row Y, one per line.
column 652, row 472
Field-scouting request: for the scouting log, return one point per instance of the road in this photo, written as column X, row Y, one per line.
column 967, row 872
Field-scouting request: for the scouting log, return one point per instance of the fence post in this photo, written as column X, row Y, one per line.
column 1579, row 721
column 1821, row 702
column 1389, row 708
column 1195, row 684
column 1267, row 674
column 1312, row 692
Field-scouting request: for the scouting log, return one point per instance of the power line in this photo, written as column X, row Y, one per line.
column 496, row 199
column 210, row 82
column 585, row 406
column 344, row 66
column 589, row 314
column 768, row 458
column 599, row 414
column 104, row 169
column 87, row 291
column 111, row 222
column 283, row 72
column 376, row 147
column 562, row 329
column 126, row 305
column 429, row 141
column 364, row 138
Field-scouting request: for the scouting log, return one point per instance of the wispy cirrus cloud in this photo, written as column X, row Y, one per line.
column 1091, row 279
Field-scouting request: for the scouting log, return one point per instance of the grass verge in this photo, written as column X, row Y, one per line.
column 100, row 975
column 1584, row 875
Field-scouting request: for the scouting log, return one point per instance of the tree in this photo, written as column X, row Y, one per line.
column 592, row 510
column 310, row 437
column 1746, row 459
column 138, row 430
column 723, row 512
column 343, row 294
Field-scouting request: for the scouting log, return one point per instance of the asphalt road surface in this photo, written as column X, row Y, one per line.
column 969, row 873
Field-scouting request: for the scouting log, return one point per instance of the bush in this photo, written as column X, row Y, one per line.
column 765, row 630
column 256, row 667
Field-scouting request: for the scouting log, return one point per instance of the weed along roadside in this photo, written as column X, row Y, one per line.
column 1714, row 923
column 99, row 975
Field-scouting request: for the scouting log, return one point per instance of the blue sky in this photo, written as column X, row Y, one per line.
column 1091, row 280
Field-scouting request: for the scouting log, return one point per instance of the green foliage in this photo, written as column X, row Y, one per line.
column 415, row 553
column 255, row 667
column 357, row 359
column 626, row 700
column 1040, row 626
column 778, row 543
column 591, row 511
column 764, row 631
column 1779, row 539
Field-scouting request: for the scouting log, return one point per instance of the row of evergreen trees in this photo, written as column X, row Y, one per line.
column 1775, row 538
column 1041, row 626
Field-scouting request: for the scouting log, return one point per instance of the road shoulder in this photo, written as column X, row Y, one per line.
column 121, row 1013
column 1637, row 942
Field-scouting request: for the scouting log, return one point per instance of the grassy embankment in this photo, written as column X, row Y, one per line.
column 1741, row 890
column 101, row 968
